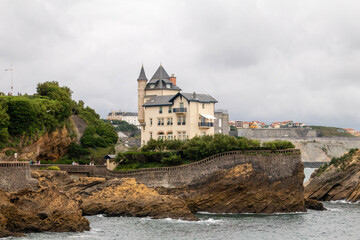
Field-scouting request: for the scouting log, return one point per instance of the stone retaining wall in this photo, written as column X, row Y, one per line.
column 15, row 176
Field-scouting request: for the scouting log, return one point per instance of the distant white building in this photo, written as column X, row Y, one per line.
column 129, row 117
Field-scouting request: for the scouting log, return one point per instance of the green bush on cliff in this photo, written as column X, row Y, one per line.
column 23, row 119
column 276, row 145
column 337, row 162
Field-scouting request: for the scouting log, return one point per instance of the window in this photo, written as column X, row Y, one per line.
column 159, row 121
column 168, row 85
column 203, row 105
column 161, row 135
column 152, row 85
column 170, row 136
column 220, row 122
column 169, row 121
column 160, row 109
column 150, row 121
column 151, row 135
column 179, row 120
column 184, row 135
column 183, row 120
column 179, row 136
column 181, row 105
column 169, row 109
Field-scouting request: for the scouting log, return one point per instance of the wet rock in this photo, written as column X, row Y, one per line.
column 314, row 205
column 126, row 197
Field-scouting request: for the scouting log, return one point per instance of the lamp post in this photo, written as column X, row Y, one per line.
column 11, row 69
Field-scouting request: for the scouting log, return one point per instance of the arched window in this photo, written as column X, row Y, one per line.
column 161, row 135
column 169, row 135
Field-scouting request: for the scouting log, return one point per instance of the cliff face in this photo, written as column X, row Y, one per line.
column 336, row 183
column 244, row 188
column 323, row 150
column 50, row 146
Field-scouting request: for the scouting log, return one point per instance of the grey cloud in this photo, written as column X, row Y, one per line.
column 263, row 60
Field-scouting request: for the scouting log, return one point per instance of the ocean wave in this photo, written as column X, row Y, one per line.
column 344, row 202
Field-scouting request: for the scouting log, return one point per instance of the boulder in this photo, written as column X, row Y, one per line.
column 37, row 211
column 314, row 205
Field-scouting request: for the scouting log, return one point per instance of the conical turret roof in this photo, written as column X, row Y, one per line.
column 142, row 75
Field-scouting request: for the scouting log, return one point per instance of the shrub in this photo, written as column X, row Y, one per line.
column 53, row 168
column 172, row 160
column 276, row 145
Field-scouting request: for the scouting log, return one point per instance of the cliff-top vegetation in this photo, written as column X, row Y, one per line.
column 331, row 131
column 163, row 153
column 23, row 119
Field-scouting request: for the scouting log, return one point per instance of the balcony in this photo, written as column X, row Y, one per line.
column 206, row 124
column 179, row 110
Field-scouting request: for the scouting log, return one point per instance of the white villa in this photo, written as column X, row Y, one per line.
column 164, row 112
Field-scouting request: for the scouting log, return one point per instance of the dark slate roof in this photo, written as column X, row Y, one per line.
column 159, row 101
column 160, row 74
column 142, row 75
column 168, row 100
column 160, row 79
column 196, row 97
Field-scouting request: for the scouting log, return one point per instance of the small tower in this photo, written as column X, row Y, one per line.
column 142, row 80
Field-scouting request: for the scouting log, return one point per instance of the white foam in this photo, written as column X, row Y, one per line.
column 345, row 201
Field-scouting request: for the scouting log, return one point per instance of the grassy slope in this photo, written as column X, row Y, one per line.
column 331, row 131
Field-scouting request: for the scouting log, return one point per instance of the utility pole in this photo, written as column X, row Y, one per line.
column 12, row 84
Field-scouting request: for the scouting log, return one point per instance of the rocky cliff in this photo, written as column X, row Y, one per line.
column 43, row 209
column 50, row 146
column 338, row 181
column 244, row 189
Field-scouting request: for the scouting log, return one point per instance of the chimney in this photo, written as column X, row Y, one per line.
column 173, row 79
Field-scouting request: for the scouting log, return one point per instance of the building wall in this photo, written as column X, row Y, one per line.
column 141, row 96
column 222, row 123
column 192, row 118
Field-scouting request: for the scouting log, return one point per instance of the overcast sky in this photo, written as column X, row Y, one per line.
column 269, row 60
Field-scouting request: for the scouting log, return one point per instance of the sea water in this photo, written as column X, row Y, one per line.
column 341, row 221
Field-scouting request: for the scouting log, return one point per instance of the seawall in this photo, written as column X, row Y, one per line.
column 276, row 164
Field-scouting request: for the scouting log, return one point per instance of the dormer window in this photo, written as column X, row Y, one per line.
column 152, row 85
column 168, row 85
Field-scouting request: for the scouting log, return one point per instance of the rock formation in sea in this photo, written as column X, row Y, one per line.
column 339, row 180
column 245, row 189
column 44, row 209
column 116, row 197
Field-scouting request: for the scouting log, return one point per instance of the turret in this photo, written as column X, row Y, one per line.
column 142, row 80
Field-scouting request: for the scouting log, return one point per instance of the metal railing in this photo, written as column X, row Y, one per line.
column 179, row 110
column 206, row 124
